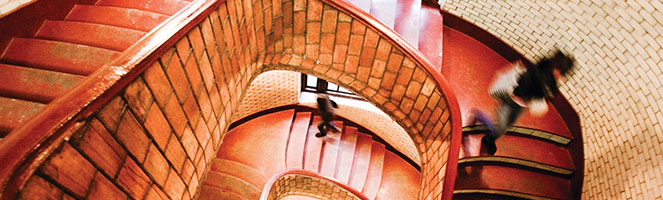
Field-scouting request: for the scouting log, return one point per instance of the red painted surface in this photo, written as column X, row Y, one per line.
column 330, row 152
column 430, row 35
column 407, row 20
column 346, row 154
column 384, row 11
column 313, row 147
column 240, row 171
column 522, row 148
column 57, row 56
column 96, row 35
column 374, row 175
column 398, row 176
column 127, row 18
column 362, row 161
column 232, row 184
column 15, row 112
column 31, row 84
column 472, row 65
column 166, row 7
column 266, row 150
column 512, row 179
column 213, row 193
column 297, row 141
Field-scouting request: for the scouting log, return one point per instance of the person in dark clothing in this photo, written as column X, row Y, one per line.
column 518, row 88
column 326, row 107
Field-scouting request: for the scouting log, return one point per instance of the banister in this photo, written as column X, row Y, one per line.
column 440, row 81
column 26, row 147
column 273, row 179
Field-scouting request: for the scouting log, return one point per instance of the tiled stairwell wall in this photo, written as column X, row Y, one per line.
column 616, row 90
column 269, row 90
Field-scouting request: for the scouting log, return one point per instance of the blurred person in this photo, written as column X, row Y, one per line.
column 326, row 107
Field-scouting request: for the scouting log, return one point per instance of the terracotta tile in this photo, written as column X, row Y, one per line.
column 156, row 165
column 157, row 82
column 102, row 188
column 287, row 40
column 196, row 40
column 191, row 108
column 326, row 59
column 277, row 27
column 38, row 188
column 208, row 35
column 216, row 100
column 191, row 68
column 287, row 13
column 102, row 148
column 216, row 136
column 404, row 76
column 312, row 32
column 338, row 67
column 355, row 44
column 178, row 79
column 327, row 43
column 299, row 23
column 299, row 44
column 312, row 51
column 406, row 105
column 358, row 28
column 413, row 90
column 205, row 105
column 209, row 150
column 157, row 126
column 394, row 63
column 217, row 68
column 225, row 94
column 189, row 142
column 363, row 73
column 384, row 48
column 174, row 185
column 374, row 83
column 227, row 32
column 398, row 92
column 175, row 153
column 343, row 33
column 340, row 51
column 366, row 58
column 131, row 134
column 388, row 81
column 187, row 171
column 193, row 185
column 329, row 20
column 133, row 179
column 111, row 112
column 70, row 169
column 201, row 164
column 156, row 194
column 202, row 133
column 378, row 68
column 425, row 116
column 314, row 10
column 419, row 75
column 351, row 64
column 371, row 39
column 138, row 97
column 206, row 70
column 175, row 115
column 183, row 48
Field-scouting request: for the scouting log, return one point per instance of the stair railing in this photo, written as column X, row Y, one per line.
column 25, row 148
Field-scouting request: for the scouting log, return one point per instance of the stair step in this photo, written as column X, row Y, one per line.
column 330, row 151
column 232, row 184
column 374, row 176
column 297, row 141
column 363, row 4
column 239, row 170
column 407, row 20
column 520, row 150
column 166, row 7
column 361, row 162
column 511, row 180
column 121, row 17
column 384, row 11
column 313, row 147
column 14, row 112
column 213, row 193
column 259, row 143
column 346, row 154
column 35, row 84
column 398, row 175
column 430, row 35
column 96, row 35
column 57, row 56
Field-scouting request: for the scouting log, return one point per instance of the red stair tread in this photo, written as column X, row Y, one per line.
column 472, row 65
column 361, row 162
column 213, row 193
column 503, row 178
column 524, row 148
column 13, row 112
column 232, row 184
column 330, row 151
column 57, row 56
column 384, row 11
column 114, row 16
column 346, row 154
column 374, row 177
column 96, row 35
column 166, row 7
column 430, row 35
column 407, row 20
column 313, row 147
column 239, row 170
column 259, row 143
column 35, row 84
column 297, row 141
column 363, row 4
column 399, row 179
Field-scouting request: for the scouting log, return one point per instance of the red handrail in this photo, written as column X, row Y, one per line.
column 273, row 179
column 440, row 81
column 25, row 148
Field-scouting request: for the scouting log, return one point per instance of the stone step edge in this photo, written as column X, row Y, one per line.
column 500, row 193
column 517, row 161
column 525, row 131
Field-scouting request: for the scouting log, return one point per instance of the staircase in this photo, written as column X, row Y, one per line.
column 284, row 140
column 63, row 52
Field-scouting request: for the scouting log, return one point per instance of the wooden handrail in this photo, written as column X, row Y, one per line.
column 273, row 179
column 440, row 81
column 25, row 148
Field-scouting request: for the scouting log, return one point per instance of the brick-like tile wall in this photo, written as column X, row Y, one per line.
column 616, row 90
column 269, row 90
column 303, row 185
column 8, row 6
column 158, row 135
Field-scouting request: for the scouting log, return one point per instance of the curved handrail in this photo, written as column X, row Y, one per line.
column 440, row 81
column 273, row 179
column 25, row 148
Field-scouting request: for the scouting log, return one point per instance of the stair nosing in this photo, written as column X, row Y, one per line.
column 540, row 134
column 518, row 161
column 501, row 192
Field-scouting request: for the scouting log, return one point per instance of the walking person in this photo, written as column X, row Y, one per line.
column 326, row 107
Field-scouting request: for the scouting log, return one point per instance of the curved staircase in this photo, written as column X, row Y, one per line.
column 284, row 140
column 49, row 62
